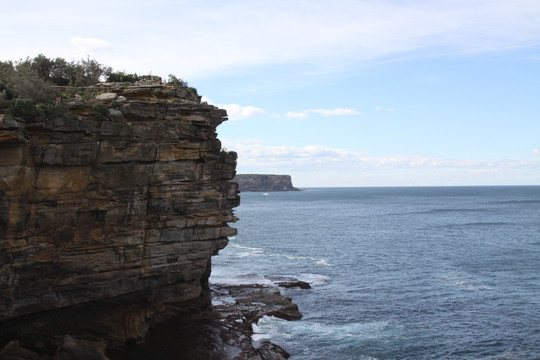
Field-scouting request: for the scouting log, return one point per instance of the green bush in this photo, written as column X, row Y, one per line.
column 49, row 111
column 5, row 91
column 6, row 96
column 121, row 76
column 224, row 154
column 5, row 103
column 101, row 111
column 24, row 109
column 177, row 81
column 115, row 104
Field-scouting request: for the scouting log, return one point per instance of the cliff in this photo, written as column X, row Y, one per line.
column 125, row 195
column 260, row 182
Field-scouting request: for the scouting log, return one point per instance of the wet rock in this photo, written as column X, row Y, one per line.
column 270, row 351
column 13, row 351
column 288, row 282
column 73, row 349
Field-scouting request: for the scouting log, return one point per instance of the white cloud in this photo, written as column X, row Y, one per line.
column 297, row 115
column 237, row 112
column 535, row 152
column 336, row 112
column 325, row 112
column 89, row 44
column 278, row 31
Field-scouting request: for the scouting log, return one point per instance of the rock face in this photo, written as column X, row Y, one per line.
column 128, row 195
column 260, row 182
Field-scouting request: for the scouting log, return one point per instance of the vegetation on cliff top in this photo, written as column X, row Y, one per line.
column 29, row 88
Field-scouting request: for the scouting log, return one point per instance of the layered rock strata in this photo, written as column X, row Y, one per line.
column 126, row 196
column 264, row 182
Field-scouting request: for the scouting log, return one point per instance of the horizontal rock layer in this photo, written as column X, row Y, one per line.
column 131, row 201
column 263, row 182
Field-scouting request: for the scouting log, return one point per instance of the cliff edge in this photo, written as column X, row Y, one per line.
column 124, row 196
column 263, row 182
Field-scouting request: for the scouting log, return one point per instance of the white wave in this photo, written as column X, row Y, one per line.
column 274, row 329
column 256, row 252
column 246, row 254
column 237, row 280
column 322, row 261
column 222, row 300
column 314, row 279
column 251, row 251
column 464, row 281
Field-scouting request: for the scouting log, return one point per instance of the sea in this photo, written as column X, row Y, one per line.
column 396, row 273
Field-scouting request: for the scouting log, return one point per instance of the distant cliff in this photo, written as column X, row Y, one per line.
column 261, row 182
column 124, row 194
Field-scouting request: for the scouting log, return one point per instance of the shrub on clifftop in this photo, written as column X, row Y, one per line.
column 177, row 81
column 30, row 88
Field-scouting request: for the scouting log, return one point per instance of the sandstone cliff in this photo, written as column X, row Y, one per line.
column 260, row 182
column 127, row 202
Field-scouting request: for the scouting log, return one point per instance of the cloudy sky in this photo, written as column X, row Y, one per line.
column 334, row 93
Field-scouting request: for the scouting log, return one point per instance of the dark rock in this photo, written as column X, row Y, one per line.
column 294, row 284
column 73, row 349
column 288, row 282
column 223, row 331
column 13, row 351
column 271, row 351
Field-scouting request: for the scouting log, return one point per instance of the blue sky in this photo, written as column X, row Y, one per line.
column 340, row 93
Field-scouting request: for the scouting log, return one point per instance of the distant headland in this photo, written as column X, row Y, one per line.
column 264, row 182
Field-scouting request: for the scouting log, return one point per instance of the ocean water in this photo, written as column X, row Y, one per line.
column 396, row 273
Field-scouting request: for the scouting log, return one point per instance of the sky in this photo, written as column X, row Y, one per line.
column 333, row 93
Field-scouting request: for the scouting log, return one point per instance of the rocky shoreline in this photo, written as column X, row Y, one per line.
column 221, row 331
column 218, row 326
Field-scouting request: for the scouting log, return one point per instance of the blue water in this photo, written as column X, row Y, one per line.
column 396, row 273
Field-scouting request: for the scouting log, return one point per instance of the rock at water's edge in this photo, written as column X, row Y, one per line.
column 222, row 331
